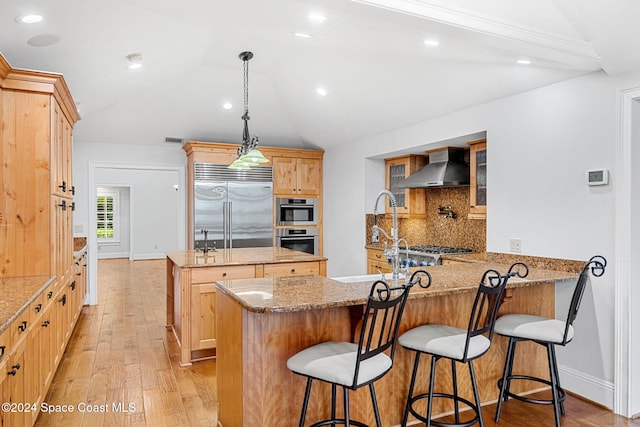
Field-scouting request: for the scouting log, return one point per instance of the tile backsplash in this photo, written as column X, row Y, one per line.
column 436, row 229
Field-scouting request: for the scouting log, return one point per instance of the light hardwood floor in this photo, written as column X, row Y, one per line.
column 121, row 352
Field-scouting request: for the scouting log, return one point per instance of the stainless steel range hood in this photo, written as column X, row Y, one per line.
column 446, row 168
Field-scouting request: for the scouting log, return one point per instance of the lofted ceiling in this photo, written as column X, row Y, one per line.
column 369, row 55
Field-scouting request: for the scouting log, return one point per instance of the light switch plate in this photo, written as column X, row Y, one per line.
column 515, row 245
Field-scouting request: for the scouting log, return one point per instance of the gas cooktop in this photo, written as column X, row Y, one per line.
column 432, row 249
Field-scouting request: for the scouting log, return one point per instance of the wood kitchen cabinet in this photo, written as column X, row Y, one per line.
column 411, row 201
column 297, row 176
column 37, row 114
column 377, row 262
column 191, row 289
column 478, row 179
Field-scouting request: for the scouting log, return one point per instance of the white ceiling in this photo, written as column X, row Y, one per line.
column 368, row 54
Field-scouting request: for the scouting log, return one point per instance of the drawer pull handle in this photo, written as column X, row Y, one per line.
column 2, row 348
column 23, row 326
column 12, row 372
column 63, row 187
column 38, row 308
column 46, row 323
column 50, row 294
column 63, row 300
column 73, row 285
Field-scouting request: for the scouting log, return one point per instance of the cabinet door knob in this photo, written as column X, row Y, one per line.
column 23, row 326
column 2, row 348
column 38, row 308
column 50, row 294
column 293, row 270
column 63, row 187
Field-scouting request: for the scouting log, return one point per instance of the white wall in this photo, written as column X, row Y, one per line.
column 540, row 144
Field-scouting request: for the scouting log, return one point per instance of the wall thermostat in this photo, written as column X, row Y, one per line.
column 598, row 177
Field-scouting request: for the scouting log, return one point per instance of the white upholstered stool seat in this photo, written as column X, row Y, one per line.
column 445, row 341
column 535, row 328
column 335, row 362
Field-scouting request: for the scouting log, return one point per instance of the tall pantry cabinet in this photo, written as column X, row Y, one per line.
column 37, row 115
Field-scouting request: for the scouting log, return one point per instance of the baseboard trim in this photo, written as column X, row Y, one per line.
column 113, row 255
column 594, row 389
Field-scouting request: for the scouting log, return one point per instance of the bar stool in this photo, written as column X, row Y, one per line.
column 458, row 345
column 547, row 333
column 351, row 365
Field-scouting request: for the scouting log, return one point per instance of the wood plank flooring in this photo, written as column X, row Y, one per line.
column 121, row 353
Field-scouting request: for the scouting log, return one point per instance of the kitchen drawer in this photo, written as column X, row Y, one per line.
column 376, row 254
column 211, row 274
column 5, row 344
column 36, row 308
column 291, row 269
column 48, row 295
column 19, row 327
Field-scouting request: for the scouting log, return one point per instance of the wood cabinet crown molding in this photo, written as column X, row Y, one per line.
column 39, row 81
column 200, row 146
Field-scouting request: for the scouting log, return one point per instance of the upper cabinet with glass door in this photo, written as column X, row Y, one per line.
column 478, row 181
column 411, row 201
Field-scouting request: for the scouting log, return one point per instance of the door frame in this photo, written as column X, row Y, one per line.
column 626, row 396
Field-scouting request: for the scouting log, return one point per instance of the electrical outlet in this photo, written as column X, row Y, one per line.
column 515, row 245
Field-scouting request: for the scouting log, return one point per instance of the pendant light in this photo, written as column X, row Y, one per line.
column 248, row 153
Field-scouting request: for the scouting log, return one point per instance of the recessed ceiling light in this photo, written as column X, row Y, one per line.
column 302, row 35
column 29, row 18
column 227, row 106
column 523, row 61
column 317, row 17
column 321, row 91
column 431, row 42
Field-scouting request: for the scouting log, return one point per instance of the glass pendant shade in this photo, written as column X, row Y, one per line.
column 242, row 164
column 254, row 156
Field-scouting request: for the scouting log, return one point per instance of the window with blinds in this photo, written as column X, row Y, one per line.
column 107, row 216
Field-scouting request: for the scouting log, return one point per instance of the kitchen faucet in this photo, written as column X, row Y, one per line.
column 206, row 248
column 394, row 253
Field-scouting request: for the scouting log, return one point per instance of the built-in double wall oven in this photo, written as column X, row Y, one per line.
column 296, row 211
column 297, row 221
column 299, row 239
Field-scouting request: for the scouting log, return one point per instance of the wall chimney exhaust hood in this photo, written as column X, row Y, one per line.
column 446, row 168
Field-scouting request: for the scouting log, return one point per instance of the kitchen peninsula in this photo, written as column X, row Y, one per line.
column 191, row 291
column 267, row 320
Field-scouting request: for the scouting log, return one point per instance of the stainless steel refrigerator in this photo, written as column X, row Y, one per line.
column 234, row 207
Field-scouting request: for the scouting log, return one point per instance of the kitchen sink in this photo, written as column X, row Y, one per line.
column 364, row 278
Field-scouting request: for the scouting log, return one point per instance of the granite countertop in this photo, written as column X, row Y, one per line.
column 240, row 256
column 299, row 293
column 16, row 293
column 79, row 245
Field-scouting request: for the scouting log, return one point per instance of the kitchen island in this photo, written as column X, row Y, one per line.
column 267, row 320
column 191, row 291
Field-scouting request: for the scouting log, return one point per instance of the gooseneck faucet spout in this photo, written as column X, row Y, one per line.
column 394, row 253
